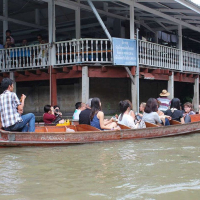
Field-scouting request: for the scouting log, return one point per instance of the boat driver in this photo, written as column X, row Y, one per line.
column 9, row 108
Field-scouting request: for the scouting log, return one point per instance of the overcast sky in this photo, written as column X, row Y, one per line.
column 196, row 1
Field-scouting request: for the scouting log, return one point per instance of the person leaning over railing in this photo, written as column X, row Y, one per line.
column 8, row 34
column 11, row 109
column 8, row 43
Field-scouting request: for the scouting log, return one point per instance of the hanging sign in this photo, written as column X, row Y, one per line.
column 124, row 52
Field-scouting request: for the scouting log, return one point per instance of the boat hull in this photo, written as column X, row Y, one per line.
column 66, row 138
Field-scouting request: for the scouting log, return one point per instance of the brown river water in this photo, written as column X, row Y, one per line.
column 164, row 168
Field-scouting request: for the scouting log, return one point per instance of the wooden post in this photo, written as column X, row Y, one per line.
column 171, row 86
column 53, row 88
column 5, row 22
column 134, row 94
column 85, row 84
column 196, row 95
column 180, row 46
column 14, row 82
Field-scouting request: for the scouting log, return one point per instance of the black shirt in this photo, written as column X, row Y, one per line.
column 176, row 115
column 84, row 117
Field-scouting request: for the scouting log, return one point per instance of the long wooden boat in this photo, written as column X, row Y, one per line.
column 63, row 135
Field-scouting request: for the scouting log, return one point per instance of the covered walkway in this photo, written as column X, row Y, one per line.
column 76, row 42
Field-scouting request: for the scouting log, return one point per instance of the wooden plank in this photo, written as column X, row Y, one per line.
column 150, row 125
column 85, row 127
column 195, row 118
column 174, row 122
column 123, row 126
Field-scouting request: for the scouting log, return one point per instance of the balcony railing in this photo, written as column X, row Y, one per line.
column 156, row 55
column 24, row 57
column 86, row 51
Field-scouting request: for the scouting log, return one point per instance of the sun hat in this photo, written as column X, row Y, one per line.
column 164, row 93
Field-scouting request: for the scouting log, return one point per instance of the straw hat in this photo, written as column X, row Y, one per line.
column 164, row 93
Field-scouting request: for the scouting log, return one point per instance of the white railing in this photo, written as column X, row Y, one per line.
column 83, row 51
column 191, row 62
column 24, row 57
column 93, row 51
column 156, row 55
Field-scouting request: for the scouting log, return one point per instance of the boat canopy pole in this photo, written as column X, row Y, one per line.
column 107, row 33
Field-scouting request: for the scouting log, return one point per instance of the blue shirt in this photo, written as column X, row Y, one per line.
column 95, row 122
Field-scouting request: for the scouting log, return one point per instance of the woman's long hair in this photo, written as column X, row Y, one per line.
column 151, row 106
column 175, row 103
column 123, row 106
column 95, row 107
column 131, row 105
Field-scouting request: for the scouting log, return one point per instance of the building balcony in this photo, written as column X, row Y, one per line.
column 94, row 52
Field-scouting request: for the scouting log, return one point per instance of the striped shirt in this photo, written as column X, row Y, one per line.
column 164, row 103
column 8, row 109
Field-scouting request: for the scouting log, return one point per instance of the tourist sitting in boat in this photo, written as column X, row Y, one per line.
column 142, row 107
column 165, row 119
column 174, row 112
column 164, row 100
column 57, row 112
column 150, row 112
column 84, row 117
column 49, row 116
column 97, row 117
column 124, row 117
column 79, row 107
column 131, row 112
column 188, row 108
column 11, row 109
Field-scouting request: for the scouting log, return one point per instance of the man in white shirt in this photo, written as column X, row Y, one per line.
column 79, row 107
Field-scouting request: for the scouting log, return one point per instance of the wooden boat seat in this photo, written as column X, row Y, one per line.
column 40, row 129
column 174, row 122
column 85, row 127
column 123, row 126
column 54, row 129
column 72, row 127
column 195, row 118
column 149, row 125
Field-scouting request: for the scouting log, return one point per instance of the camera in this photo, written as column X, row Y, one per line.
column 57, row 110
column 137, row 117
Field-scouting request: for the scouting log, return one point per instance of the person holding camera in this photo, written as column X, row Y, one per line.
column 57, row 112
column 49, row 116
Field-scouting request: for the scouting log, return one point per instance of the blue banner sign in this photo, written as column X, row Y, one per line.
column 124, row 52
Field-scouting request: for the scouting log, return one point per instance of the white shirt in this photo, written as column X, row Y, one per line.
column 127, row 120
column 76, row 114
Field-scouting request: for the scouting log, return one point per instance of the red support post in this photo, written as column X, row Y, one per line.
column 53, row 88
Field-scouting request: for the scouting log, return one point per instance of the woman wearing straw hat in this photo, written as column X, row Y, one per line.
column 164, row 101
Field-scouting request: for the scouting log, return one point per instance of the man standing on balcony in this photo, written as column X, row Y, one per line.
column 164, row 101
column 8, row 43
column 11, row 109
column 8, row 34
